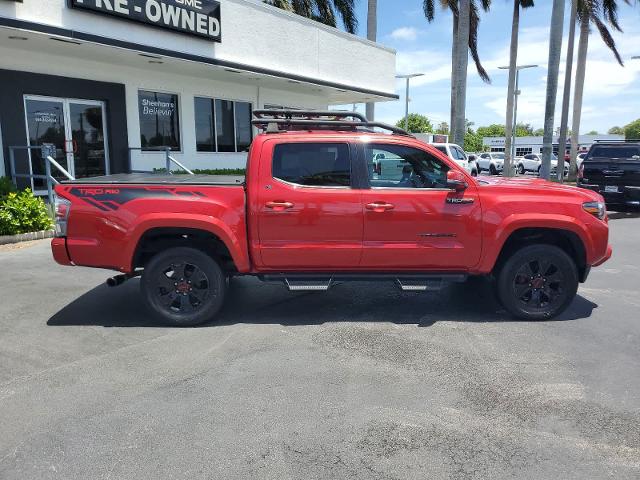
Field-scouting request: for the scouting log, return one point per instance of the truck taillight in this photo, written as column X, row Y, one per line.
column 62, row 210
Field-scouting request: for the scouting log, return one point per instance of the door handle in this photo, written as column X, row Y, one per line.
column 279, row 206
column 379, row 206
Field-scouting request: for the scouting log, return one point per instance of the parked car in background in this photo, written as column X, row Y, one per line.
column 613, row 170
column 455, row 153
column 580, row 158
column 532, row 162
column 493, row 162
column 473, row 157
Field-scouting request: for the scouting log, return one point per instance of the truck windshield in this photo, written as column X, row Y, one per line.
column 626, row 151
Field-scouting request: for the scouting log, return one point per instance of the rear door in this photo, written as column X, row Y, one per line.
column 412, row 221
column 309, row 215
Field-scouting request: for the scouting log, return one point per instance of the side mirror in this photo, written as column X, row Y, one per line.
column 456, row 181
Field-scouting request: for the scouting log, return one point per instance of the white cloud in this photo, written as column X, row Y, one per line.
column 405, row 33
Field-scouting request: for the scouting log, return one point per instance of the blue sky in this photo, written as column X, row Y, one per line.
column 612, row 93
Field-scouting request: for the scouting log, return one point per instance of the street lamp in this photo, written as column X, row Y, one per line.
column 515, row 107
column 406, row 108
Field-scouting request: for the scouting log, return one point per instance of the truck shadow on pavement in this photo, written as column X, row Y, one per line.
column 252, row 302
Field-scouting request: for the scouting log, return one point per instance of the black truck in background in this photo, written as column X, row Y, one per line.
column 612, row 168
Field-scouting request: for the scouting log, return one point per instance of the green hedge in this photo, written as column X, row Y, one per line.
column 21, row 212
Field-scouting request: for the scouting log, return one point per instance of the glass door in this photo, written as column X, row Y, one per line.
column 88, row 139
column 46, row 123
column 76, row 128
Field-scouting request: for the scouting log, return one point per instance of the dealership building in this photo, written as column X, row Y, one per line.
column 112, row 82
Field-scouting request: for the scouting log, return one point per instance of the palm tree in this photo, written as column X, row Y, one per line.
column 555, row 47
column 564, row 119
column 324, row 11
column 471, row 43
column 513, row 61
column 589, row 11
column 372, row 34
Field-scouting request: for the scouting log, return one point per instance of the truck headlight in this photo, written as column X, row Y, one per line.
column 62, row 210
column 597, row 209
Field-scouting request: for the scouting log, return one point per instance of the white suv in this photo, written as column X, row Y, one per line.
column 455, row 153
column 491, row 161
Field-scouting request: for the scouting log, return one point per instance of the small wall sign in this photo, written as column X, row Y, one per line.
column 194, row 17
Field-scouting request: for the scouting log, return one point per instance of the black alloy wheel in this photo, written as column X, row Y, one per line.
column 492, row 170
column 183, row 286
column 538, row 282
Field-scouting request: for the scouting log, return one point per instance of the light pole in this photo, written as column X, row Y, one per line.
column 515, row 108
column 406, row 107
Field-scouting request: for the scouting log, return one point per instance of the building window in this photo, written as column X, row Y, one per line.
column 520, row 151
column 222, row 125
column 497, row 149
column 159, row 120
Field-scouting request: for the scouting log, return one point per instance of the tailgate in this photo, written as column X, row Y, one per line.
column 612, row 172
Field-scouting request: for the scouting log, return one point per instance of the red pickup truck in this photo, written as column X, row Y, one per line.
column 329, row 198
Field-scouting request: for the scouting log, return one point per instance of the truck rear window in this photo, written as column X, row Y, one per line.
column 313, row 164
column 627, row 151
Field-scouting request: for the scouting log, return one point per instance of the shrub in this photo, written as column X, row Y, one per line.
column 6, row 187
column 22, row 212
column 632, row 131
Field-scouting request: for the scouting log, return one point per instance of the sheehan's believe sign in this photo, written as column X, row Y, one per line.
column 195, row 17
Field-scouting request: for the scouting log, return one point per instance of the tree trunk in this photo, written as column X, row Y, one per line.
column 454, row 71
column 372, row 34
column 462, row 41
column 513, row 60
column 564, row 120
column 555, row 47
column 581, row 65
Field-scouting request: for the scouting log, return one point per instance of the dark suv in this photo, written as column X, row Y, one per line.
column 613, row 169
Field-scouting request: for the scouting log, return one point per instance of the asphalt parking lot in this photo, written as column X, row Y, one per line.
column 362, row 382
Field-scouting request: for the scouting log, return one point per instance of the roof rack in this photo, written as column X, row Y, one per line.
column 626, row 140
column 274, row 121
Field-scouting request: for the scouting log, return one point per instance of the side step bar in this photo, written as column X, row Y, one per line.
column 297, row 282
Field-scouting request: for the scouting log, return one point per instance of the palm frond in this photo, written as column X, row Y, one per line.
column 526, row 3
column 474, row 24
column 607, row 38
column 346, row 10
column 429, row 9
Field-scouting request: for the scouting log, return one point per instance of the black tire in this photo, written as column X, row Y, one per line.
column 474, row 173
column 537, row 282
column 521, row 169
column 539, row 168
column 492, row 170
column 183, row 286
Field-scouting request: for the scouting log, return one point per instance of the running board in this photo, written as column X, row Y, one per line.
column 319, row 282
column 316, row 285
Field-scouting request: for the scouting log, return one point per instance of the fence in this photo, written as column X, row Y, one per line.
column 169, row 160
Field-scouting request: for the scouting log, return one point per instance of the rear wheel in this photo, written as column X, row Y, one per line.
column 537, row 282
column 183, row 286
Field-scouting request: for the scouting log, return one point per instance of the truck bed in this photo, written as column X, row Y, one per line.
column 160, row 179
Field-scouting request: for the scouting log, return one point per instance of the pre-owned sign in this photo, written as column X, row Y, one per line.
column 195, row 17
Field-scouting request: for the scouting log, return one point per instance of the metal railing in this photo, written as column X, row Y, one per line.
column 47, row 152
column 169, row 160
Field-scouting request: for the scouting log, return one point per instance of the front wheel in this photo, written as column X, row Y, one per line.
column 521, row 169
column 492, row 170
column 183, row 286
column 537, row 282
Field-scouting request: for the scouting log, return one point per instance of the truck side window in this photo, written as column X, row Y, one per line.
column 313, row 164
column 398, row 166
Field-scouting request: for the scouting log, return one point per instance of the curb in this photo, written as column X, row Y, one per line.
column 25, row 237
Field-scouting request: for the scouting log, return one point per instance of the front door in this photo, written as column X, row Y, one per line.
column 309, row 217
column 75, row 127
column 412, row 221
